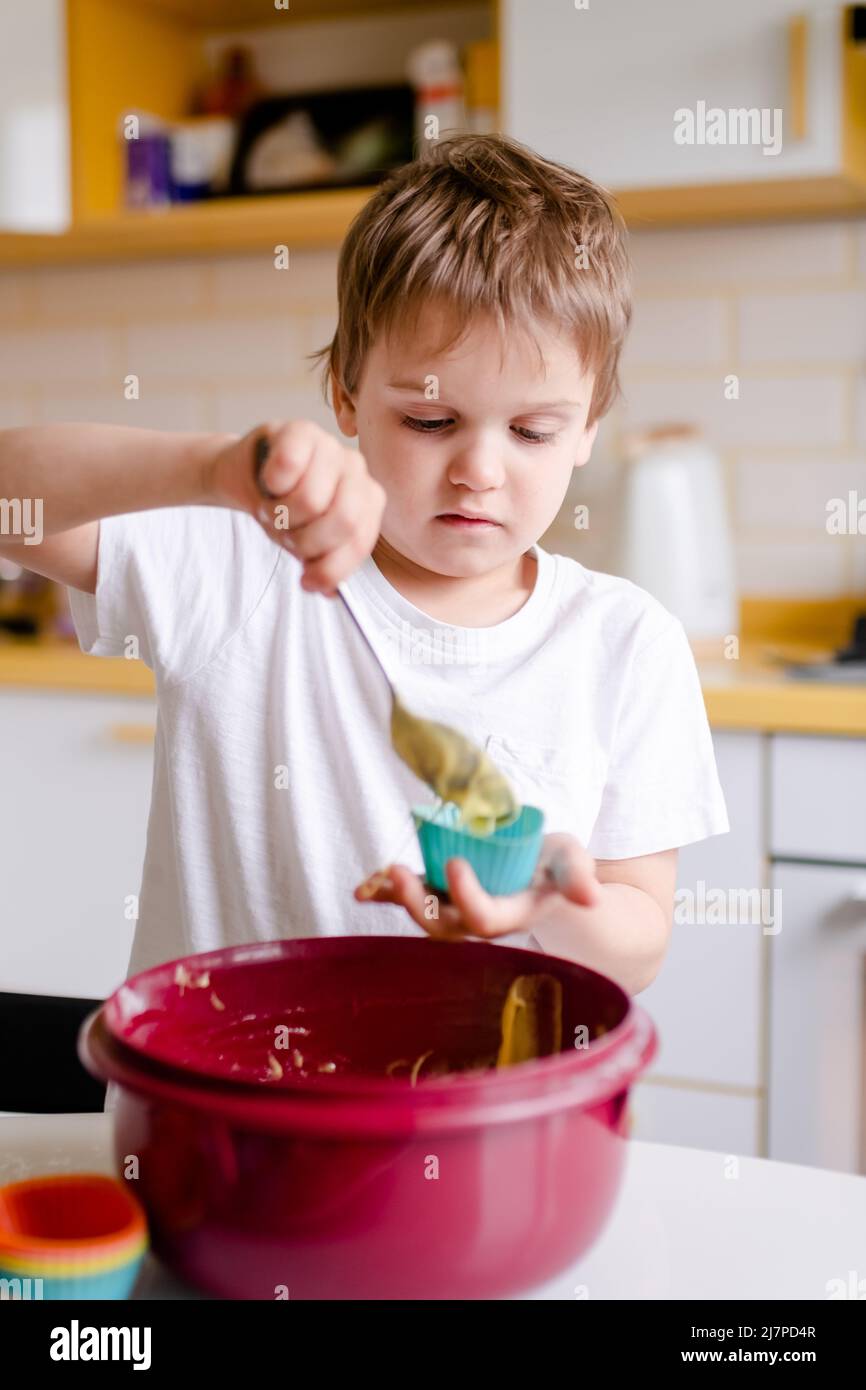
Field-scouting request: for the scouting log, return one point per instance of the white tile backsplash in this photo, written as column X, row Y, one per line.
column 17, row 410
column 799, row 410
column 792, row 493
column 16, row 289
column 796, row 436
column 319, row 329
column 681, row 332
column 238, row 410
column 221, row 344
column 165, row 410
column 32, row 356
column 309, row 278
column 798, row 569
column 740, row 257
column 227, row 347
column 823, row 326
column 860, row 409
column 171, row 288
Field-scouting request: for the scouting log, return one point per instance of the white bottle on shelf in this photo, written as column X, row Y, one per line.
column 435, row 72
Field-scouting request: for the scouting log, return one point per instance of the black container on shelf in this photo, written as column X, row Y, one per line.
column 355, row 135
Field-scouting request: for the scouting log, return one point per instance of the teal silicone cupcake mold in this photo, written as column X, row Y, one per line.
column 503, row 861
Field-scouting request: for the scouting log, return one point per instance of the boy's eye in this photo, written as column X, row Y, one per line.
column 533, row 436
column 433, row 426
column 425, row 426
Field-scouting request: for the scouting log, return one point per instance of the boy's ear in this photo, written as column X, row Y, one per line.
column 585, row 446
column 344, row 409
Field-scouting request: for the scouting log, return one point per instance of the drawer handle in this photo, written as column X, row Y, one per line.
column 133, row 733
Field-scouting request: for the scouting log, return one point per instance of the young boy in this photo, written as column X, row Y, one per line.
column 483, row 304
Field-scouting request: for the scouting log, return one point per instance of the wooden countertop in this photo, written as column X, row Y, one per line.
column 51, row 664
column 751, row 692
column 754, row 692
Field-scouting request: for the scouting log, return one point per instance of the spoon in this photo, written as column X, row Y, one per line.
column 454, row 767
column 531, row 1020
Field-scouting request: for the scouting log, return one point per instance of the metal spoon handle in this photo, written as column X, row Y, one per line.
column 376, row 657
column 261, row 451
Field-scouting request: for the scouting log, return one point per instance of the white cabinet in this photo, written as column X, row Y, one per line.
column 696, row 1118
column 34, row 126
column 706, row 1000
column 762, row 1018
column 74, row 802
column 817, row 1037
column 818, row 798
column 601, row 88
column 817, row 1033
column 705, row 1088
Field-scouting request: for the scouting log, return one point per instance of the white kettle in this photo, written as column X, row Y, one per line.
column 676, row 537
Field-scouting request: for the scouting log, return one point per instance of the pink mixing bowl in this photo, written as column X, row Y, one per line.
column 263, row 1180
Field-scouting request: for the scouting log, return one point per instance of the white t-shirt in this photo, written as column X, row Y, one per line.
column 276, row 789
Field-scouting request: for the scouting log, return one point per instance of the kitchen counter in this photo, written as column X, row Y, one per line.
column 753, row 692
column 689, row 1224
column 52, row 664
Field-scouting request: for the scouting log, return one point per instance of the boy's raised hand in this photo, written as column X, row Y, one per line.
column 309, row 492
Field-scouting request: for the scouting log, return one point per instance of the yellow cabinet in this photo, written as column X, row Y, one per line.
column 123, row 56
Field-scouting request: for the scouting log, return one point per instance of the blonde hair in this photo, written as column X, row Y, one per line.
column 484, row 224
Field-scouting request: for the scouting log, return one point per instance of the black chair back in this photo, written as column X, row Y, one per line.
column 39, row 1068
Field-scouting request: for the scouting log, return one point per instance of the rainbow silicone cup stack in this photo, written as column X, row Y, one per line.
column 71, row 1236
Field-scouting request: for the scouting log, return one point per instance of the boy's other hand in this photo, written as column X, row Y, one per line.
column 309, row 492
column 564, row 867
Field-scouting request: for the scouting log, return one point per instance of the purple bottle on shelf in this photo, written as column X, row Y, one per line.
column 148, row 161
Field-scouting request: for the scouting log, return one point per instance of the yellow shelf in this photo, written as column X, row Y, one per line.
column 242, row 14
column 781, row 200
column 322, row 218
column 211, row 228
column 130, row 54
column 151, row 55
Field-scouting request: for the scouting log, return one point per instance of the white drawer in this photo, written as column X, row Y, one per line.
column 818, row 798
column 696, row 1119
column 706, row 999
column 76, row 778
column 817, row 1083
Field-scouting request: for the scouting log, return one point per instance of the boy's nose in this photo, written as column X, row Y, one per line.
column 478, row 467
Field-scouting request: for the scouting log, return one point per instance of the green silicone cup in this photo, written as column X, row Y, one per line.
column 504, row 861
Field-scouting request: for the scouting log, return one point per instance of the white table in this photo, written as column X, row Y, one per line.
column 688, row 1223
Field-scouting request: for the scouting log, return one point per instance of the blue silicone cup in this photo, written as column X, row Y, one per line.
column 504, row 861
